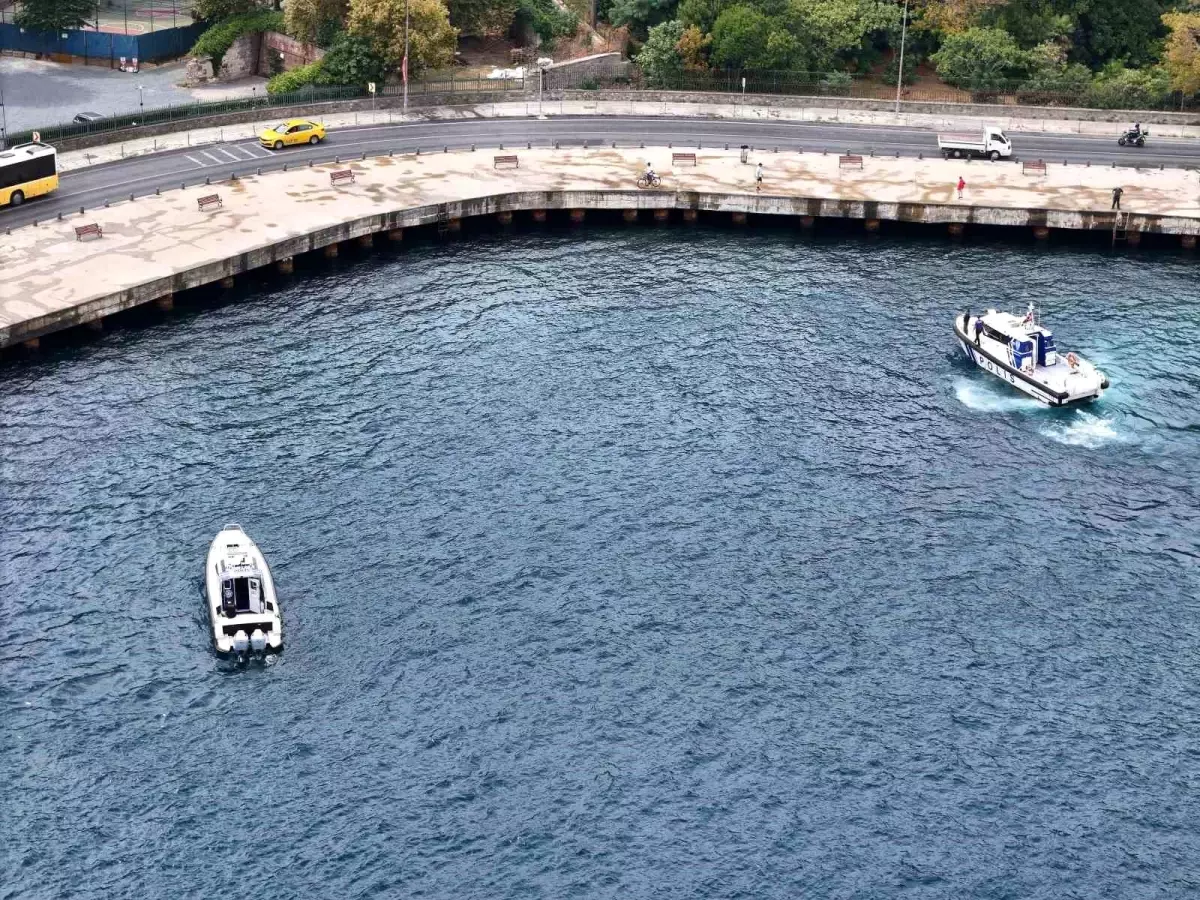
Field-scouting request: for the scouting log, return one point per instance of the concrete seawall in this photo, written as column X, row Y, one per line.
column 156, row 246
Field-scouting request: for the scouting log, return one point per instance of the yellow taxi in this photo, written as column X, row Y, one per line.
column 293, row 131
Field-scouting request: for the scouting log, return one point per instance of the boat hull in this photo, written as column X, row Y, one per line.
column 228, row 543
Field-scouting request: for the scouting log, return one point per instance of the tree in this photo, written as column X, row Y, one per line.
column 693, row 47
column 55, row 15
column 740, row 36
column 1127, row 31
column 660, row 60
column 981, row 58
column 1181, row 56
column 640, row 15
column 216, row 10
column 481, row 17
column 308, row 20
column 951, row 16
column 829, row 31
column 431, row 38
column 351, row 61
column 701, row 13
column 1033, row 22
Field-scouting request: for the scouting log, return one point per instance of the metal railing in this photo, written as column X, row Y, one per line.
column 1097, row 95
column 309, row 95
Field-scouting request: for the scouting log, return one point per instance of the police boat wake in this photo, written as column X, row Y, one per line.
column 1021, row 351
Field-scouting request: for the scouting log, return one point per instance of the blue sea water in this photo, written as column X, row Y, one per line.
column 630, row 564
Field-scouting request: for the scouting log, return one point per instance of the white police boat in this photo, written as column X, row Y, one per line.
column 1020, row 350
column 242, row 605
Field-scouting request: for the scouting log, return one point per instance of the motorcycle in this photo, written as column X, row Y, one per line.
column 1137, row 138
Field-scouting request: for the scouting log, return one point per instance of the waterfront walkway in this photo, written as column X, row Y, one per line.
column 155, row 246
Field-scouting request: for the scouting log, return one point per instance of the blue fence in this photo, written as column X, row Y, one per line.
column 157, row 45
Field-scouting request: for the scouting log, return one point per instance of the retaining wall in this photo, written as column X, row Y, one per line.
column 738, row 204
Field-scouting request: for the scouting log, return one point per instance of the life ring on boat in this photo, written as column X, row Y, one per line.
column 1072, row 360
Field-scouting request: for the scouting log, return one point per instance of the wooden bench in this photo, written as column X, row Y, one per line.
column 1037, row 167
column 683, row 158
column 341, row 176
column 210, row 202
column 82, row 231
column 849, row 161
column 498, row 161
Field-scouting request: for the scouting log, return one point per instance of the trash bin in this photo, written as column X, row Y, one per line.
column 745, row 153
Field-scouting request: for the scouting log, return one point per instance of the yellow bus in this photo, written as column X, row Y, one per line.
column 27, row 170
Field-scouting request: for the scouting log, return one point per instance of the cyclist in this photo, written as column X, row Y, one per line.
column 651, row 178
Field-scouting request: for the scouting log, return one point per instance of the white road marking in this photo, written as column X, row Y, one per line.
column 230, row 155
column 200, row 163
column 213, row 158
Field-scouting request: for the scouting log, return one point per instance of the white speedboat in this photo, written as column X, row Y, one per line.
column 1020, row 350
column 242, row 606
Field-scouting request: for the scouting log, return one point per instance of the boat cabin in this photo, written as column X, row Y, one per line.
column 241, row 591
column 1029, row 344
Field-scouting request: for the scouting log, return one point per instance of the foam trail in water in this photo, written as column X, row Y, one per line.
column 983, row 398
column 1083, row 429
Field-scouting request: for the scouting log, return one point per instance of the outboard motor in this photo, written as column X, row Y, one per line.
column 258, row 641
column 240, row 642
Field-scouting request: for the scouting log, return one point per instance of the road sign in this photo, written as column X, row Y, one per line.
column 371, row 87
column 37, row 137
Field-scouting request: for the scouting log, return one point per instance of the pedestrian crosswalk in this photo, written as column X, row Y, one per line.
column 224, row 154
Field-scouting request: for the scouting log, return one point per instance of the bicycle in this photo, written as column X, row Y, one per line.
column 648, row 181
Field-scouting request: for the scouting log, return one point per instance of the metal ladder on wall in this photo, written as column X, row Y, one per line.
column 443, row 220
column 1120, row 227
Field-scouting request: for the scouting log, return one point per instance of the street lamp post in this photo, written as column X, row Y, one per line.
column 141, row 103
column 900, row 69
column 541, row 88
column 404, row 65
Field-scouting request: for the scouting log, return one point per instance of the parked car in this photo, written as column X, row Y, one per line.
column 293, row 131
column 87, row 118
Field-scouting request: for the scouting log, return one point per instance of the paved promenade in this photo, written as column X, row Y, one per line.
column 155, row 246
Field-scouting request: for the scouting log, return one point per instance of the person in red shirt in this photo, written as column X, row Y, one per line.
column 961, row 185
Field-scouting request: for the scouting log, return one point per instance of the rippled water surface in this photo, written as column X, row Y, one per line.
column 614, row 564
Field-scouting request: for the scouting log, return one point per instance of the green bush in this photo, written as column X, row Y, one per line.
column 295, row 79
column 1120, row 88
column 659, row 57
column 216, row 41
column 837, row 84
column 981, row 59
column 352, row 61
column 544, row 17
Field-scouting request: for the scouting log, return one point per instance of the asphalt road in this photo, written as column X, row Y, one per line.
column 92, row 186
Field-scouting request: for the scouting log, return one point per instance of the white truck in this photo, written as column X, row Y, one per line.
column 989, row 141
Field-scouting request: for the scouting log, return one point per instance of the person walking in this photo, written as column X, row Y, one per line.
column 978, row 329
column 758, row 177
column 1117, row 192
column 961, row 186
